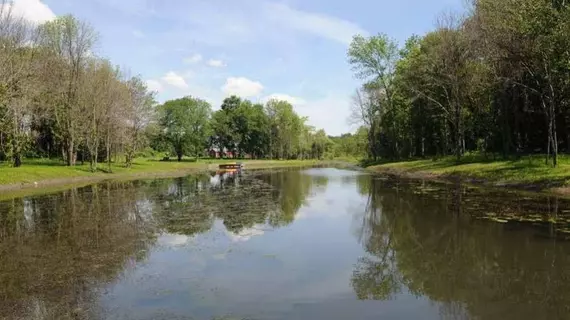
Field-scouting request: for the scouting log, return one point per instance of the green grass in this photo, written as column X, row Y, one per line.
column 40, row 170
column 526, row 170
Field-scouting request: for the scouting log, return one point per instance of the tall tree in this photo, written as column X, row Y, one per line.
column 285, row 129
column 17, row 85
column 139, row 114
column 70, row 41
column 373, row 60
column 185, row 125
column 93, row 95
column 533, row 36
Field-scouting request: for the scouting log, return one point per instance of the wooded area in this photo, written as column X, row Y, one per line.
column 239, row 129
column 494, row 80
column 58, row 99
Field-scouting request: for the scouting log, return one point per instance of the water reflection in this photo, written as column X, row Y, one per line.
column 56, row 251
column 298, row 244
column 433, row 244
column 190, row 205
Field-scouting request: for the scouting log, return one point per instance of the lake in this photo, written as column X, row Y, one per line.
column 320, row 243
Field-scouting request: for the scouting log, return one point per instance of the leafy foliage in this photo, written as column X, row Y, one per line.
column 493, row 81
column 185, row 125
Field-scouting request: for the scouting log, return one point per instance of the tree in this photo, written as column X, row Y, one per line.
column 222, row 131
column 58, row 97
column 116, row 103
column 140, row 113
column 321, row 144
column 93, row 94
column 373, row 60
column 184, row 124
column 251, row 129
column 440, row 74
column 70, row 42
column 531, row 36
column 285, row 129
column 17, row 66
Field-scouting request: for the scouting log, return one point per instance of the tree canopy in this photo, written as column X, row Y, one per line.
column 58, row 99
column 494, row 80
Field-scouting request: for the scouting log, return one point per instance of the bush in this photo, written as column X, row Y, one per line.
column 148, row 152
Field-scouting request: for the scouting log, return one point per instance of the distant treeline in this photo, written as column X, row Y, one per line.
column 59, row 100
column 496, row 79
column 240, row 128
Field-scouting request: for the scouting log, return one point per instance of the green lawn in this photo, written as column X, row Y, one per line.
column 528, row 169
column 41, row 170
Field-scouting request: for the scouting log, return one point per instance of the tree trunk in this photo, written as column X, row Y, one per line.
column 554, row 140
column 548, row 146
column 458, row 135
column 70, row 153
column 444, row 138
column 129, row 159
column 17, row 160
column 550, row 140
column 458, row 144
column 93, row 160
column 179, row 155
column 568, row 141
column 108, row 147
column 63, row 152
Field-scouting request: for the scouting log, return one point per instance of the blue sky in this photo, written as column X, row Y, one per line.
column 290, row 49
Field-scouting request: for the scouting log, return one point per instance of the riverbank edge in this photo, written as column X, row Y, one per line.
column 541, row 187
column 46, row 185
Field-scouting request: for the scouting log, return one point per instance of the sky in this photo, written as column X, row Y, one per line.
column 258, row 49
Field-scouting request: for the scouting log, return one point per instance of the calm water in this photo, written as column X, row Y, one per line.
column 310, row 244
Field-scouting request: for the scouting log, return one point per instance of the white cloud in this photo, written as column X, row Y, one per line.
column 246, row 234
column 195, row 58
column 154, row 85
column 32, row 10
column 138, row 34
column 173, row 240
column 252, row 22
column 175, row 80
column 284, row 97
column 216, row 63
column 330, row 113
column 317, row 24
column 242, row 87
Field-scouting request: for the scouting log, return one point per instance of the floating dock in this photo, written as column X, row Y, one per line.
column 229, row 167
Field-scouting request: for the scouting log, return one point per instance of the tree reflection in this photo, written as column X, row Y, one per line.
column 56, row 250
column 190, row 205
column 375, row 276
column 290, row 189
column 428, row 239
column 183, row 206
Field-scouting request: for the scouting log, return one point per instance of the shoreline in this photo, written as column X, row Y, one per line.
column 546, row 187
column 394, row 170
column 20, row 189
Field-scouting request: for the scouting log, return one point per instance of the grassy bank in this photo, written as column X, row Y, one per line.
column 529, row 172
column 44, row 173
